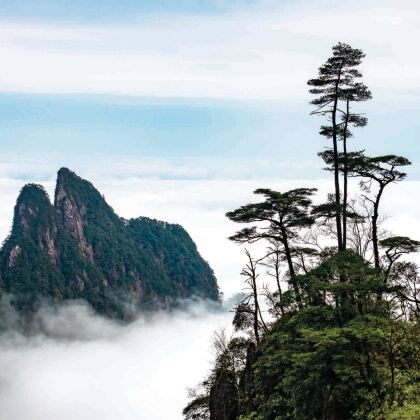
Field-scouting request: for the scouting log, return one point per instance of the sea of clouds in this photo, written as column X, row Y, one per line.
column 80, row 365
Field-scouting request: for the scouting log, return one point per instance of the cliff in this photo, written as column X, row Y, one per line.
column 78, row 248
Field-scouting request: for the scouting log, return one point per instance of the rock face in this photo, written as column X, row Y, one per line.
column 79, row 248
column 72, row 215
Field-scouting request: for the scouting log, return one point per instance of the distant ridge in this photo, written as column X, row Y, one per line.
column 79, row 248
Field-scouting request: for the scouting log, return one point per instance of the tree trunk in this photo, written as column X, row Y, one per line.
column 375, row 216
column 345, row 176
column 256, row 310
column 277, row 268
column 257, row 335
column 291, row 267
column 264, row 325
column 336, row 168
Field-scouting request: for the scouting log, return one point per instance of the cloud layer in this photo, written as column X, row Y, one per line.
column 197, row 203
column 90, row 368
column 264, row 52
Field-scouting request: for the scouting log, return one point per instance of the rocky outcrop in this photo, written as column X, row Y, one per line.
column 50, row 246
column 78, row 248
column 71, row 214
column 13, row 256
column 35, row 219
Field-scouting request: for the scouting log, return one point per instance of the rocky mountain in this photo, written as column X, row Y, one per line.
column 78, row 248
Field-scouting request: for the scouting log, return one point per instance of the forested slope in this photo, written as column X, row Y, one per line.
column 79, row 248
column 337, row 336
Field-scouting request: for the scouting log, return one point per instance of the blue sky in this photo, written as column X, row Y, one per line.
column 115, row 9
column 220, row 81
column 178, row 110
column 74, row 128
column 160, row 128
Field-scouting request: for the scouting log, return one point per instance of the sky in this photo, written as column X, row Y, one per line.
column 178, row 110
column 219, row 81
column 197, row 79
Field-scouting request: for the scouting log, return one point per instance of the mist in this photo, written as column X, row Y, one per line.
column 78, row 365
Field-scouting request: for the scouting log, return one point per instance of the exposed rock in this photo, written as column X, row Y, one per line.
column 137, row 286
column 13, row 256
column 51, row 248
column 72, row 217
column 22, row 218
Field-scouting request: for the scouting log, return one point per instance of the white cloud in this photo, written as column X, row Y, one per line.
column 90, row 368
column 198, row 204
column 265, row 53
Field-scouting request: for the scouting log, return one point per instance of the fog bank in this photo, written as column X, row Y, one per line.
column 79, row 365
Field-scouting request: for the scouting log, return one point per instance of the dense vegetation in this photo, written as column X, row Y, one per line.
column 79, row 248
column 341, row 340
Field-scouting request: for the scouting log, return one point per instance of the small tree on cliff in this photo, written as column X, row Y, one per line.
column 383, row 171
column 279, row 218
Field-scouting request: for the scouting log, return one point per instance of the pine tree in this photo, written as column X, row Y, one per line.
column 336, row 89
column 383, row 170
column 279, row 218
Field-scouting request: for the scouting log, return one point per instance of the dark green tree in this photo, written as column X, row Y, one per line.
column 279, row 218
column 395, row 247
column 383, row 171
column 336, row 88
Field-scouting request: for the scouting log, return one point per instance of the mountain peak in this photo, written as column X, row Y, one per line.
column 33, row 205
column 80, row 248
column 64, row 172
column 68, row 181
column 33, row 192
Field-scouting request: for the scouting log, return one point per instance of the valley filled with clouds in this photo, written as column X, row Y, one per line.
column 79, row 365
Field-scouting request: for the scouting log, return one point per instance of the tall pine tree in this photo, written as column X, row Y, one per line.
column 336, row 88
